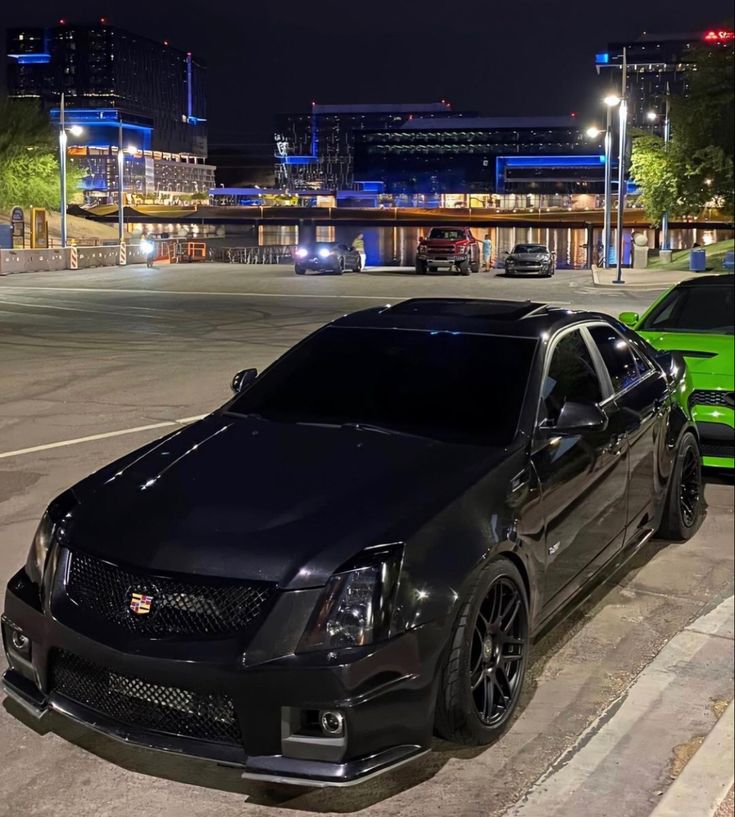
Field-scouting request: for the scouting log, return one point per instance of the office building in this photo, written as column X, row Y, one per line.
column 316, row 149
column 120, row 88
column 482, row 155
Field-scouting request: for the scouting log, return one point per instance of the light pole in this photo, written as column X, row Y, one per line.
column 611, row 101
column 75, row 130
column 622, row 127
column 120, row 186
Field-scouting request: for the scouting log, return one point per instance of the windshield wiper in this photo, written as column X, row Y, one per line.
column 358, row 426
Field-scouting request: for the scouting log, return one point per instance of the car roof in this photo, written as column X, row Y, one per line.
column 528, row 319
column 710, row 280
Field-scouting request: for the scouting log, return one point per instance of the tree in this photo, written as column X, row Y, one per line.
column 29, row 164
column 696, row 167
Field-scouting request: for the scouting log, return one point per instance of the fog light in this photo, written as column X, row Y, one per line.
column 19, row 641
column 332, row 723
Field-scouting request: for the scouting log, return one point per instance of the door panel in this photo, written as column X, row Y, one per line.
column 583, row 478
column 642, row 399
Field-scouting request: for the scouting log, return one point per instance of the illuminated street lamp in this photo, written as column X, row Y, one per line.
column 611, row 101
column 74, row 130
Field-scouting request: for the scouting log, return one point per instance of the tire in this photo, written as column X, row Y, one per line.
column 684, row 507
column 341, row 268
column 358, row 265
column 421, row 268
column 475, row 267
column 470, row 656
column 463, row 267
column 299, row 270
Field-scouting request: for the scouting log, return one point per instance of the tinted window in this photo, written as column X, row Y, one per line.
column 438, row 384
column 623, row 367
column 695, row 309
column 571, row 377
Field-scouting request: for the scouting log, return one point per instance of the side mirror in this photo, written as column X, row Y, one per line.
column 242, row 379
column 578, row 418
column 629, row 318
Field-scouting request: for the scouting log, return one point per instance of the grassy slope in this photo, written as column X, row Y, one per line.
column 715, row 257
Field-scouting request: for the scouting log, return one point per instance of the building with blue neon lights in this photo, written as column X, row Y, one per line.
column 112, row 79
column 483, row 155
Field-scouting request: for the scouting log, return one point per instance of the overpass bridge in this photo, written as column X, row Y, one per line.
column 310, row 217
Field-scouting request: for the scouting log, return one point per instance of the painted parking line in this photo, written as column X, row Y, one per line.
column 105, row 435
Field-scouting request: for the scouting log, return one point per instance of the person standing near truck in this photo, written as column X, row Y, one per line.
column 359, row 245
column 487, row 252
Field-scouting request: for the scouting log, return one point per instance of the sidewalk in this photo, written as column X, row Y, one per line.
column 644, row 278
column 667, row 725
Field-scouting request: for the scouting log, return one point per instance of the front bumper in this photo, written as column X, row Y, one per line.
column 330, row 264
column 442, row 261
column 528, row 269
column 717, row 439
column 385, row 693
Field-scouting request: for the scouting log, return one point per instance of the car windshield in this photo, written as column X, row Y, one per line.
column 447, row 235
column 707, row 309
column 529, row 248
column 444, row 385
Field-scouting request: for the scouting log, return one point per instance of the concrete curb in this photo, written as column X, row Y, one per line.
column 707, row 777
column 665, row 280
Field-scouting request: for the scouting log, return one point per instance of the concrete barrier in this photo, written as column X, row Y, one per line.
column 12, row 261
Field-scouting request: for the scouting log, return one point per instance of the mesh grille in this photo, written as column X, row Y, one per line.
column 169, row 606
column 152, row 707
column 712, row 398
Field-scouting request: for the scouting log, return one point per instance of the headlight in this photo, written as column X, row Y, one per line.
column 146, row 246
column 301, row 253
column 462, row 249
column 324, row 252
column 36, row 561
column 422, row 248
column 49, row 529
column 356, row 606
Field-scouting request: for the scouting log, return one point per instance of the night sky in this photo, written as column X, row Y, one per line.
column 520, row 57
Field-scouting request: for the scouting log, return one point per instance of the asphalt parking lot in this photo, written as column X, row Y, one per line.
column 95, row 363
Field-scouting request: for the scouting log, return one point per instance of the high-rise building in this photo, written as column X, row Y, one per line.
column 119, row 87
column 315, row 149
column 657, row 64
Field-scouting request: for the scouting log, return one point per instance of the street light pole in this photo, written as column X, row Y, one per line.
column 665, row 242
column 62, row 169
column 607, row 218
column 120, row 185
column 623, row 117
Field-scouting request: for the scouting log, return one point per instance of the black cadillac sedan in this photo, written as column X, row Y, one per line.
column 356, row 551
column 326, row 256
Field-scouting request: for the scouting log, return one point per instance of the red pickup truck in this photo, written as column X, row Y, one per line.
column 453, row 248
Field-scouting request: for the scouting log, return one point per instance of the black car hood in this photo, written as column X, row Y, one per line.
column 246, row 498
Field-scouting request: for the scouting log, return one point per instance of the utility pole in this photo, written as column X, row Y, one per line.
column 120, row 187
column 665, row 241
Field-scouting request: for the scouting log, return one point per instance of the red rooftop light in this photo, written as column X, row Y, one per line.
column 719, row 36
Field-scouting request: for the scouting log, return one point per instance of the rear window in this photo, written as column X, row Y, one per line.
column 445, row 385
column 707, row 309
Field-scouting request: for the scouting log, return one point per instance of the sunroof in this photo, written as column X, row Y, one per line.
column 466, row 308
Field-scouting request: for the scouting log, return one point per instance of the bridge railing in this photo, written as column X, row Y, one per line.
column 266, row 254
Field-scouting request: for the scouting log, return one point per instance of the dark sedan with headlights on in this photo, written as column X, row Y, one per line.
column 326, row 256
column 355, row 552
column 530, row 259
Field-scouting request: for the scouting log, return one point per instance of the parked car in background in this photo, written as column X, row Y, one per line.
column 530, row 259
column 695, row 318
column 449, row 248
column 326, row 256
column 355, row 551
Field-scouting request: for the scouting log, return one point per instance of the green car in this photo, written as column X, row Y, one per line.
column 695, row 319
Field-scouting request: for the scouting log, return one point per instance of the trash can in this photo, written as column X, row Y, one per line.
column 697, row 261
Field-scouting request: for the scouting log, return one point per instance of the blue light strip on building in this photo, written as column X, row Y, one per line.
column 37, row 58
column 603, row 58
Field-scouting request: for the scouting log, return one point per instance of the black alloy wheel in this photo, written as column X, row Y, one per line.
column 486, row 660
column 690, row 488
column 685, row 504
column 498, row 648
